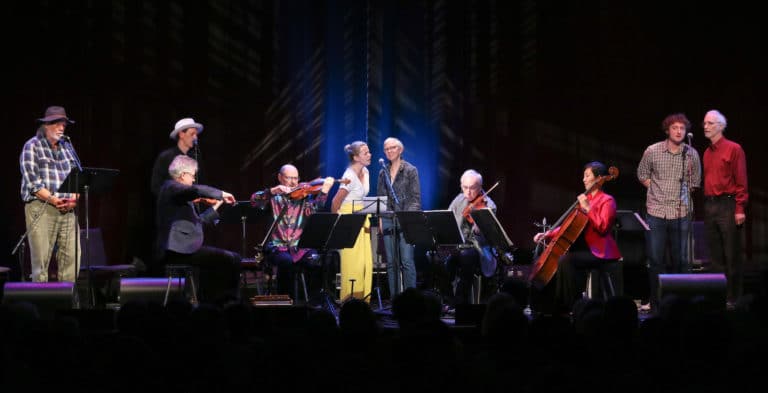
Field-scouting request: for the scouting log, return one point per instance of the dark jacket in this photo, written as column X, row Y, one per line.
column 179, row 227
column 406, row 187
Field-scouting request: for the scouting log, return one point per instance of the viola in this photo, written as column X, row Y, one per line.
column 313, row 187
column 479, row 202
column 571, row 224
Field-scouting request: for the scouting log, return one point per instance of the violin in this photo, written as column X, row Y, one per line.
column 207, row 201
column 301, row 191
column 313, row 187
column 479, row 202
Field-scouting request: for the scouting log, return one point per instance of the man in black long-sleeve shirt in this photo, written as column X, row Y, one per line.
column 185, row 133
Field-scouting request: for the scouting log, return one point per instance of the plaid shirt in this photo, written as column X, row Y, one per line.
column 668, row 196
column 43, row 167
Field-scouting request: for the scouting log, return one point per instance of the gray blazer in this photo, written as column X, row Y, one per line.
column 179, row 227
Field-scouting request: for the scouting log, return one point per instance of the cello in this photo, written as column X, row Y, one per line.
column 571, row 224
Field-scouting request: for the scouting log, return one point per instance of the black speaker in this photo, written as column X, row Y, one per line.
column 48, row 297
column 710, row 285
column 150, row 289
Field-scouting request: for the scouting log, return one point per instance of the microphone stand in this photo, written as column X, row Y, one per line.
column 198, row 178
column 689, row 213
column 89, row 291
column 685, row 193
column 395, row 233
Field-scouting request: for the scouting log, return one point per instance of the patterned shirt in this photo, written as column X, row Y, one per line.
column 42, row 166
column 725, row 172
column 668, row 195
column 406, row 186
column 288, row 231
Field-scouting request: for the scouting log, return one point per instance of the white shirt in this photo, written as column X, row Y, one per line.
column 356, row 189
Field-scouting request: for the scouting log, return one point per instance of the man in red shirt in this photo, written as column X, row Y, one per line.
column 725, row 200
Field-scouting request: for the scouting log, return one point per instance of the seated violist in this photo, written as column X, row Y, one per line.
column 594, row 247
column 478, row 258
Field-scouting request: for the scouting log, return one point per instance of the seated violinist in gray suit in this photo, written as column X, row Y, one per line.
column 180, row 232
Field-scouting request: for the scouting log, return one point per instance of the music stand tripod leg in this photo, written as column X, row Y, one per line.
column 326, row 300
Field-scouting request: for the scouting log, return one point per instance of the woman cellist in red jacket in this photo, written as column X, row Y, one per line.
column 595, row 246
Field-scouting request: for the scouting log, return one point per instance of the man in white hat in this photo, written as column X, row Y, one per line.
column 185, row 134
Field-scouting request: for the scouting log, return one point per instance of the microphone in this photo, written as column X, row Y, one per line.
column 381, row 162
column 194, row 142
column 64, row 138
column 690, row 136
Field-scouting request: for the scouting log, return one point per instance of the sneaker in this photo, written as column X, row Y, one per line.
column 645, row 307
column 730, row 306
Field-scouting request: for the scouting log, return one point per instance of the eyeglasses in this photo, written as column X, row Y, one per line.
column 295, row 178
column 709, row 123
column 190, row 174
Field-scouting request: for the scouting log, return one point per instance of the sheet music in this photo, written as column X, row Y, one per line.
column 371, row 205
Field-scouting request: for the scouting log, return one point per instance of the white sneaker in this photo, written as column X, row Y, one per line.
column 645, row 307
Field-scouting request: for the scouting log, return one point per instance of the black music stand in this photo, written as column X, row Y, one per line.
column 430, row 229
column 240, row 213
column 85, row 182
column 494, row 233
column 330, row 231
column 377, row 208
column 627, row 220
column 630, row 232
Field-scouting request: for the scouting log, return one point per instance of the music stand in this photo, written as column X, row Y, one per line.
column 495, row 235
column 630, row 232
column 431, row 229
column 84, row 182
column 627, row 220
column 377, row 207
column 493, row 232
column 371, row 205
column 240, row 212
column 329, row 231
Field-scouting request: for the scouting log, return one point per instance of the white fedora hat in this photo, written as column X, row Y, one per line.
column 185, row 123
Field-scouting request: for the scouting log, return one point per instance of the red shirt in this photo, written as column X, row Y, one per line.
column 597, row 233
column 725, row 172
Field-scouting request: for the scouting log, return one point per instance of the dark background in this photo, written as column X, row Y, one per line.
column 524, row 92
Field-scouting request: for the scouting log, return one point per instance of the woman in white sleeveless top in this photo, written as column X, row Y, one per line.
column 356, row 262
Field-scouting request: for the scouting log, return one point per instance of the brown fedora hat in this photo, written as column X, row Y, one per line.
column 55, row 113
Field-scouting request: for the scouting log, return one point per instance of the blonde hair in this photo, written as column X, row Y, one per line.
column 353, row 149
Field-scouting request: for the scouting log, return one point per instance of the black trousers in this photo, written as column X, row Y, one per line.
column 287, row 272
column 571, row 278
column 219, row 272
column 724, row 240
